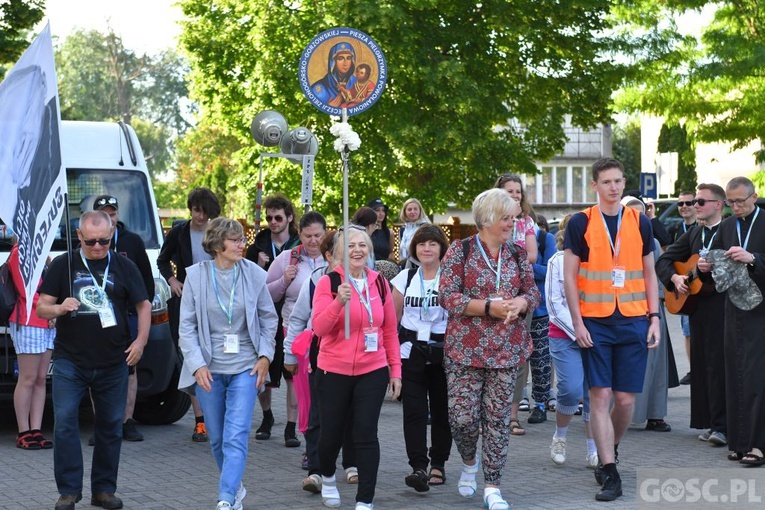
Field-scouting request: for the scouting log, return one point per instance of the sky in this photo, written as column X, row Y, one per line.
column 146, row 26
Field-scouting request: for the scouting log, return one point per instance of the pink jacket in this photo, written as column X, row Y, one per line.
column 347, row 357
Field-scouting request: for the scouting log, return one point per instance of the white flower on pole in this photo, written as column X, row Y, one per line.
column 347, row 139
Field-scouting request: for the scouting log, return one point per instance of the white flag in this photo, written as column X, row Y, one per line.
column 31, row 171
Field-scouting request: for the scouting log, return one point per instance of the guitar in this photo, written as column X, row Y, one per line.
column 685, row 304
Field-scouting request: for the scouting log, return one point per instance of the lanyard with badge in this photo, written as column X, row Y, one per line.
column 425, row 324
column 230, row 340
column 751, row 227
column 704, row 251
column 618, row 273
column 495, row 295
column 104, row 306
column 370, row 332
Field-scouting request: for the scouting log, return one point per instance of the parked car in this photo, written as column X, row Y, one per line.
column 106, row 158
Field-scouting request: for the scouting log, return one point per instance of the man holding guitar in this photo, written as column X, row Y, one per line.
column 706, row 320
column 687, row 210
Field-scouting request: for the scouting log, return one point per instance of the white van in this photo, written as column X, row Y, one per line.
column 106, row 158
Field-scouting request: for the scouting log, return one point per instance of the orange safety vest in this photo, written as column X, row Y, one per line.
column 598, row 298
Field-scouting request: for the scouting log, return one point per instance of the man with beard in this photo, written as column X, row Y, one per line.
column 743, row 238
column 706, row 321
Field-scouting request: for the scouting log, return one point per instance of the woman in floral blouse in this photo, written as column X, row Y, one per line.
column 487, row 286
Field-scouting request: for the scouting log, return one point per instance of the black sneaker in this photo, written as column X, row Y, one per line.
column 538, row 415
column 658, row 426
column 264, row 431
column 686, row 379
column 612, row 489
column 290, row 438
column 129, row 432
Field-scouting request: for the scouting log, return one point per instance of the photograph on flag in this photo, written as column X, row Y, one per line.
column 34, row 184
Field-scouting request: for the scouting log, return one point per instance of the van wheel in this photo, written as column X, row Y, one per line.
column 168, row 407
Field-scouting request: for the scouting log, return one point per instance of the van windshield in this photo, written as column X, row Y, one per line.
column 131, row 189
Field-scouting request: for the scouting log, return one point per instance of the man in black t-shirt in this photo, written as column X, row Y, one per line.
column 91, row 352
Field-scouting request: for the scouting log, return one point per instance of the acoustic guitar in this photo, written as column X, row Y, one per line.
column 685, row 304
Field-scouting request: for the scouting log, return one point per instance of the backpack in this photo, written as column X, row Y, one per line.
column 8, row 293
column 334, row 284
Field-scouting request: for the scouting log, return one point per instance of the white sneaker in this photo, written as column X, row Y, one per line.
column 558, row 451
column 240, row 494
column 223, row 505
column 704, row 436
column 364, row 506
column 592, row 460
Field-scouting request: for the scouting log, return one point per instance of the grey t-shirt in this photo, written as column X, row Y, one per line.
column 225, row 363
column 198, row 254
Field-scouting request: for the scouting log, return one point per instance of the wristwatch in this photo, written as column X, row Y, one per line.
column 654, row 314
column 487, row 307
column 754, row 259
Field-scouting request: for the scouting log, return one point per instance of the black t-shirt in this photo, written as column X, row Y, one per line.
column 381, row 243
column 81, row 339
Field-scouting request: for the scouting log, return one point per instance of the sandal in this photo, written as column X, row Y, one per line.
column 436, row 475
column 751, row 459
column 45, row 444
column 516, row 429
column 418, row 481
column 466, row 485
column 352, row 475
column 27, row 441
column 735, row 456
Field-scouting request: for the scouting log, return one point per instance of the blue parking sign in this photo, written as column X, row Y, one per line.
column 648, row 187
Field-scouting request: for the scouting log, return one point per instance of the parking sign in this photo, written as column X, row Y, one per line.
column 648, row 187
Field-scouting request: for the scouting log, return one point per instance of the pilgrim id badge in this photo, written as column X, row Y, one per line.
column 618, row 276
column 370, row 339
column 231, row 344
column 423, row 332
column 106, row 314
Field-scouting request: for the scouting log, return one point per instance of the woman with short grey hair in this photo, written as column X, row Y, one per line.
column 227, row 329
column 487, row 287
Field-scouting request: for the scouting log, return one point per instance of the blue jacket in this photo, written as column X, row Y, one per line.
column 540, row 268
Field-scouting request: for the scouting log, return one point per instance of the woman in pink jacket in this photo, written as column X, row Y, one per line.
column 354, row 373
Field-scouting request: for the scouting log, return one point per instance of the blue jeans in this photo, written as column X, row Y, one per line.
column 572, row 385
column 108, row 387
column 228, row 408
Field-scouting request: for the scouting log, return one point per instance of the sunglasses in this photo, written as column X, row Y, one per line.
column 278, row 218
column 101, row 202
column 687, row 203
column 703, row 201
column 92, row 242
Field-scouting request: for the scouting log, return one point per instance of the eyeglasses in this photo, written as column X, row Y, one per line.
column 687, row 203
column 104, row 201
column 238, row 240
column 703, row 201
column 278, row 218
column 738, row 201
column 92, row 242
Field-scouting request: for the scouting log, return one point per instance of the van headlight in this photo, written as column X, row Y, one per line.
column 162, row 294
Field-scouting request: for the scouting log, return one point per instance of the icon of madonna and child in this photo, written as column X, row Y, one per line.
column 346, row 84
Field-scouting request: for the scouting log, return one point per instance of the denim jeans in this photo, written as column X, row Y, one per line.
column 228, row 408
column 108, row 387
column 572, row 386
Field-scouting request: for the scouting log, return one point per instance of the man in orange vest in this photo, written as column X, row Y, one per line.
column 612, row 293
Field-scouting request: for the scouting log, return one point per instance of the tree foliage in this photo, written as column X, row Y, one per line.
column 100, row 79
column 714, row 85
column 626, row 148
column 17, row 18
column 457, row 71
column 674, row 138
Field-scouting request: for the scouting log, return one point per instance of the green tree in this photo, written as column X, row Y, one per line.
column 100, row 79
column 17, row 18
column 626, row 148
column 713, row 83
column 457, row 71
column 674, row 138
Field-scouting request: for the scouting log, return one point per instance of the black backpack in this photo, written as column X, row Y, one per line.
column 8, row 293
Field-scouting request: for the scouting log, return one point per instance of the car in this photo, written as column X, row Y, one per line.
column 106, row 158
column 669, row 214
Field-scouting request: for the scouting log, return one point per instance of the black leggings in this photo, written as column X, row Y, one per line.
column 361, row 396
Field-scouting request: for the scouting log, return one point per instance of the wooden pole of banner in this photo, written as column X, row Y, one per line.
column 345, row 155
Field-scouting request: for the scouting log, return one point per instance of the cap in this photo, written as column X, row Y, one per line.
column 105, row 200
column 629, row 200
column 375, row 203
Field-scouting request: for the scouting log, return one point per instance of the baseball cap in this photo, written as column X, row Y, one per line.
column 375, row 203
column 105, row 200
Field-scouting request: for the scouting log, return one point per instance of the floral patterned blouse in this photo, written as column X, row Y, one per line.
column 485, row 342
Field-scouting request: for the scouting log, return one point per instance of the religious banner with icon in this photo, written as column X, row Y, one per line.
column 342, row 68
